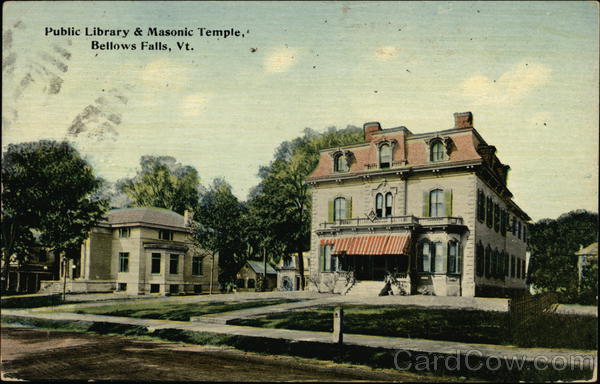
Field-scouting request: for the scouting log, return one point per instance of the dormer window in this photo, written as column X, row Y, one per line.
column 437, row 151
column 340, row 163
column 385, row 156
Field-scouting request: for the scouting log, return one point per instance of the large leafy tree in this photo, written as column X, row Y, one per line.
column 553, row 244
column 281, row 203
column 162, row 182
column 46, row 187
column 218, row 228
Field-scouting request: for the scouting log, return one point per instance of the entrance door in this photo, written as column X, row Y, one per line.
column 364, row 270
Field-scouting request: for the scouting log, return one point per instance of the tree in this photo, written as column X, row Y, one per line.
column 282, row 202
column 162, row 182
column 553, row 244
column 217, row 228
column 49, row 188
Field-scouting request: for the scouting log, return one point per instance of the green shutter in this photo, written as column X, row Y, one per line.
column 448, row 202
column 349, row 208
column 331, row 211
column 426, row 204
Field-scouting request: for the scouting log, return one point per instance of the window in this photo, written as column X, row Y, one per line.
column 524, row 233
column 379, row 205
column 197, row 288
column 165, row 235
column 489, row 212
column 388, row 204
column 454, row 259
column 240, row 283
column 437, row 151
column 385, row 156
column 512, row 266
column 503, row 219
column 174, row 264
column 173, row 289
column 339, row 209
column 514, row 226
column 436, row 203
column 523, row 272
column 518, row 268
column 154, row 288
column 196, row 265
column 479, row 255
column 329, row 261
column 506, row 261
column 432, row 259
column 124, row 232
column 340, row 163
column 426, row 258
column 156, row 263
column 287, row 261
column 488, row 261
column 519, row 229
column 480, row 206
column 123, row 261
column 496, row 217
column 251, row 283
column 122, row 287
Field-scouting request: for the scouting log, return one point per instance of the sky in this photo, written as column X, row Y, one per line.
column 528, row 71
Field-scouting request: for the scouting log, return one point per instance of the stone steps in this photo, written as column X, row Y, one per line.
column 366, row 288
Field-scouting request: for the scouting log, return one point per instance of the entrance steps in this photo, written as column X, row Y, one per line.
column 366, row 288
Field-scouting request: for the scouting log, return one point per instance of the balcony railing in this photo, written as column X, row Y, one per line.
column 391, row 220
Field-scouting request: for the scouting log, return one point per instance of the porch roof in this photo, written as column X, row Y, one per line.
column 370, row 245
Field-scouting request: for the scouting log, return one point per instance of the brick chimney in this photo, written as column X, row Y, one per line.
column 463, row 120
column 370, row 128
column 187, row 217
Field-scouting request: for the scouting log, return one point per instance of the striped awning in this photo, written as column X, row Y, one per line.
column 370, row 245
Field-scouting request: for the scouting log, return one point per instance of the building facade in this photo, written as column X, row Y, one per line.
column 430, row 212
column 140, row 251
column 288, row 272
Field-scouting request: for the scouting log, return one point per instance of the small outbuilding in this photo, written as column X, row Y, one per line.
column 247, row 279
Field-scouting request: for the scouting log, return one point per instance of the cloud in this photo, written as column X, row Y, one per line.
column 280, row 60
column 386, row 53
column 510, row 87
column 193, row 105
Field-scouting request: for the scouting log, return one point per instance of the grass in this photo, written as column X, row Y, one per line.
column 176, row 311
column 471, row 326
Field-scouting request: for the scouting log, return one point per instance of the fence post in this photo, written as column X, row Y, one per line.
column 338, row 325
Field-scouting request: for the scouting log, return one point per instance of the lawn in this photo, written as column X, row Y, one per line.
column 471, row 326
column 176, row 311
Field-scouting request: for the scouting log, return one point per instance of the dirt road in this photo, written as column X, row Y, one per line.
column 33, row 354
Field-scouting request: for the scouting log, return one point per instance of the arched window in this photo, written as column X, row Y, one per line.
column 388, row 204
column 339, row 209
column 340, row 163
column 379, row 205
column 436, row 203
column 436, row 151
column 385, row 156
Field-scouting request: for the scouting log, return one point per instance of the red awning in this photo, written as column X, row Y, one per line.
column 370, row 245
